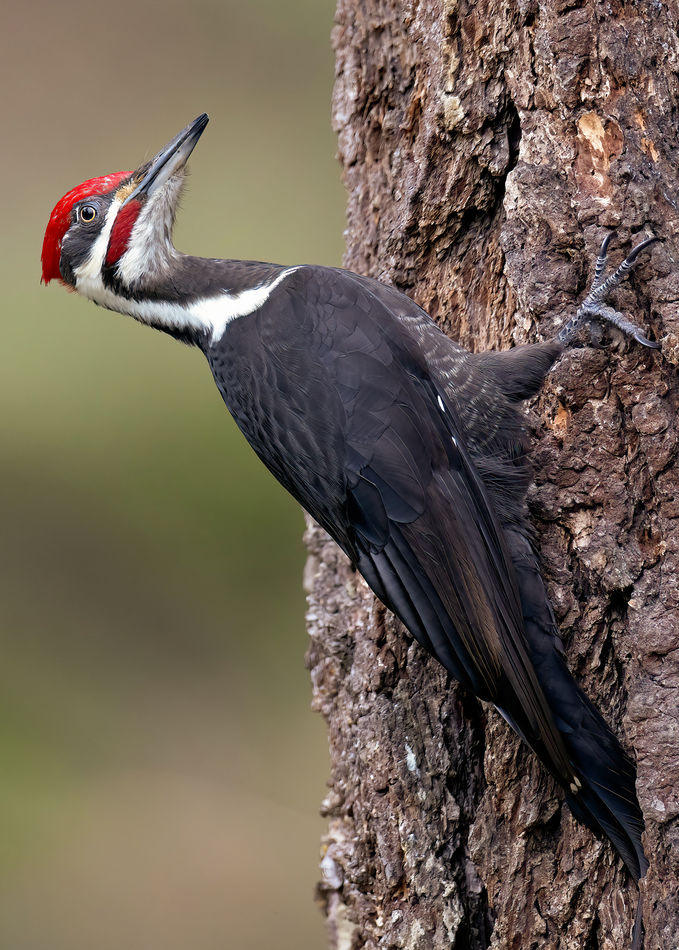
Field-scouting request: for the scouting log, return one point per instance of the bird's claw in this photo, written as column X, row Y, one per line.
column 593, row 310
column 640, row 338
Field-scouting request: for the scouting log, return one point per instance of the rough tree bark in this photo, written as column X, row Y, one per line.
column 487, row 148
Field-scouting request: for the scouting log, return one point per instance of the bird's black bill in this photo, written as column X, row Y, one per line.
column 169, row 159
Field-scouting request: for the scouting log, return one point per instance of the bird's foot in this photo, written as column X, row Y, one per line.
column 593, row 310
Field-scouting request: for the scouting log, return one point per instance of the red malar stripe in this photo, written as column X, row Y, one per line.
column 122, row 228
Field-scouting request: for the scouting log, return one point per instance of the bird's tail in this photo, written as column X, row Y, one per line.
column 606, row 799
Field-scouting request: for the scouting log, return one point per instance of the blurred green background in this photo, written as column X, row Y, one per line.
column 160, row 769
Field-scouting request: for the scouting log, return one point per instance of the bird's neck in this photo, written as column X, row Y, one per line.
column 192, row 298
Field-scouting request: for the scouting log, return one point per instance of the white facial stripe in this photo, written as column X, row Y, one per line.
column 89, row 272
column 211, row 315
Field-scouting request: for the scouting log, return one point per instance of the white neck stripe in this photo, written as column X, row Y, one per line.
column 210, row 315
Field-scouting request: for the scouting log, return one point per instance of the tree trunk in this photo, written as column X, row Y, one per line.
column 487, row 149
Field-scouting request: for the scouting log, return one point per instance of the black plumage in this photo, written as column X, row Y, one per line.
column 410, row 452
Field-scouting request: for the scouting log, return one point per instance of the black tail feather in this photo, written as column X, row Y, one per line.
column 638, row 932
column 607, row 801
column 599, row 811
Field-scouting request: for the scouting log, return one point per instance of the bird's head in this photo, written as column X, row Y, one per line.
column 110, row 235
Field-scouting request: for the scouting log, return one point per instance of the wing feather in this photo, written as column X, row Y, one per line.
column 339, row 394
column 337, row 398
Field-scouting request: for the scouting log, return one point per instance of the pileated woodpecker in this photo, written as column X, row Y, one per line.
column 408, row 449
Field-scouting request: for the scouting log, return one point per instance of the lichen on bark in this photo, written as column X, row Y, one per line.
column 487, row 148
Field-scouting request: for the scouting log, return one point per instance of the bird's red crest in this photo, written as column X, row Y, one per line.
column 60, row 219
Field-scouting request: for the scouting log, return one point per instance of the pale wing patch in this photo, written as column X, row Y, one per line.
column 218, row 312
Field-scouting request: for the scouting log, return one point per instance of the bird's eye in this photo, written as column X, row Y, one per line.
column 87, row 213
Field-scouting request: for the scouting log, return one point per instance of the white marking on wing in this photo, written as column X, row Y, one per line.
column 218, row 312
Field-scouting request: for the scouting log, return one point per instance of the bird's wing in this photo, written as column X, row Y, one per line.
column 362, row 435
